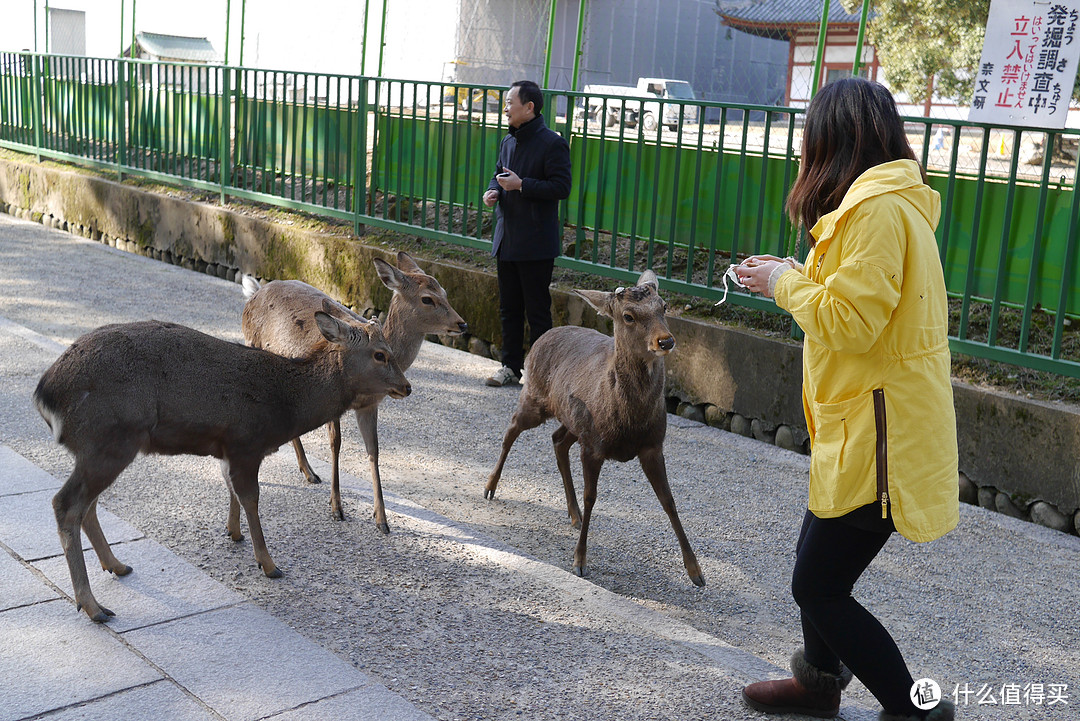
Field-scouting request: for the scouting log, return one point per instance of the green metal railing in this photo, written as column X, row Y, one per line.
column 702, row 189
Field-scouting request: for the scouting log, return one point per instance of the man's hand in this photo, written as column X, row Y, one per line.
column 491, row 197
column 508, row 180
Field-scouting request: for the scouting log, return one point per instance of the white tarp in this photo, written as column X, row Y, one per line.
column 1029, row 63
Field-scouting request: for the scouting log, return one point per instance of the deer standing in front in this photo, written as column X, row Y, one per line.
column 418, row 306
column 608, row 395
column 155, row 387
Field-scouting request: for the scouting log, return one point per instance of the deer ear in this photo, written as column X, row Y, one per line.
column 391, row 277
column 649, row 278
column 406, row 263
column 331, row 328
column 600, row 300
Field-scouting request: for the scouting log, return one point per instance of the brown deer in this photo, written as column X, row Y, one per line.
column 418, row 306
column 608, row 395
column 155, row 387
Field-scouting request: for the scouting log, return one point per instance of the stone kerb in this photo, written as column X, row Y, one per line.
column 1017, row 456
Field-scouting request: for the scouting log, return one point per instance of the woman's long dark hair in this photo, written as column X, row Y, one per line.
column 851, row 126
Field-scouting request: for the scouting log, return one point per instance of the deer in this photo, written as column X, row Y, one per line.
column 157, row 387
column 418, row 306
column 608, row 396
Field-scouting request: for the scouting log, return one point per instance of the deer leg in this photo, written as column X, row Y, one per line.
column 71, row 504
column 525, row 417
column 652, row 462
column 591, row 463
column 244, row 478
column 301, row 459
column 562, row 439
column 333, row 430
column 101, row 546
column 232, row 525
column 368, row 420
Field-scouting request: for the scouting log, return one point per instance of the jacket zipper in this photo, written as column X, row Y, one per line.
column 882, row 451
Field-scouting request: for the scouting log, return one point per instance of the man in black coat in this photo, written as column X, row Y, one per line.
column 532, row 175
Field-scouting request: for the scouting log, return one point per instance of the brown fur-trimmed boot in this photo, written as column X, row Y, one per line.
column 811, row 691
column 944, row 711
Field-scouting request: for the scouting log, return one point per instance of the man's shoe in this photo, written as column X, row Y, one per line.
column 811, row 691
column 503, row 377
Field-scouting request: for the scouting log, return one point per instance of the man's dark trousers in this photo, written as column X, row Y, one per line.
column 523, row 291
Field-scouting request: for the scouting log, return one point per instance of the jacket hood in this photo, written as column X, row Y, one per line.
column 898, row 176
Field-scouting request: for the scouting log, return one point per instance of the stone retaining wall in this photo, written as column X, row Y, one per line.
column 1017, row 456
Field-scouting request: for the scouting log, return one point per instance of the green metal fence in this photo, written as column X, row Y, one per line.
column 686, row 198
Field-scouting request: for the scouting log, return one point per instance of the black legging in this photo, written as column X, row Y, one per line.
column 831, row 555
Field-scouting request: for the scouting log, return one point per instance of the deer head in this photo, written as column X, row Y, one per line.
column 637, row 315
column 425, row 307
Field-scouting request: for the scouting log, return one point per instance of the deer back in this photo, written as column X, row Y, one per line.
column 280, row 316
column 172, row 389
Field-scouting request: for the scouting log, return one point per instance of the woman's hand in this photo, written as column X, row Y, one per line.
column 754, row 273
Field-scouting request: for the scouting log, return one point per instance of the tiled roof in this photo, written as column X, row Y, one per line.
column 178, row 47
column 778, row 18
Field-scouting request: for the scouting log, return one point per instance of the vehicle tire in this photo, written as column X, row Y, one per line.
column 649, row 122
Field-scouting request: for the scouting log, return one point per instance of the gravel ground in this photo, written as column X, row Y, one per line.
column 467, row 609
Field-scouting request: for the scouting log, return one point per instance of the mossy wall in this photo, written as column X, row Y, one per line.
column 1024, row 449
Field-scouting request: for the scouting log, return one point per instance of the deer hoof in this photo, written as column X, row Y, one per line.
column 236, row 537
column 313, row 478
column 276, row 573
column 489, row 493
column 102, row 616
column 123, row 571
column 384, row 528
column 699, row 580
column 580, row 571
column 337, row 514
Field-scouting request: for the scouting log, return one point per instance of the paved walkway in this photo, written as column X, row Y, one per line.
column 184, row 647
column 467, row 610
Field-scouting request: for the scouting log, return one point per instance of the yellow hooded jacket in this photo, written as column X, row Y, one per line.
column 877, row 391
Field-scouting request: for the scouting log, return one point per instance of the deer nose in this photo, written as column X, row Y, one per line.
column 463, row 327
column 406, row 389
column 666, row 343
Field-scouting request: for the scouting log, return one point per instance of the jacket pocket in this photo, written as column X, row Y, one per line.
column 843, row 457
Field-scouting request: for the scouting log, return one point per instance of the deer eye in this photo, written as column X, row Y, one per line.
column 380, row 356
column 628, row 318
column 426, row 300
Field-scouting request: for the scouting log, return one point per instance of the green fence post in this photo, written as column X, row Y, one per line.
column 225, row 132
column 815, row 83
column 121, row 114
column 38, row 111
column 228, row 12
column 382, row 37
column 577, row 50
column 360, row 167
column 547, row 51
column 859, row 41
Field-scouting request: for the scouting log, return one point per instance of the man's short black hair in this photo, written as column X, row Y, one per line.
column 529, row 92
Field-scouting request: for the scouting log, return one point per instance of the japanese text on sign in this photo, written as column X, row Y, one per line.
column 1029, row 63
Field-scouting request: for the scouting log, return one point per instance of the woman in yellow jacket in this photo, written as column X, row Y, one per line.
column 877, row 392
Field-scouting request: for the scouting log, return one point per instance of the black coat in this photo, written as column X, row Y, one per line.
column 527, row 220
